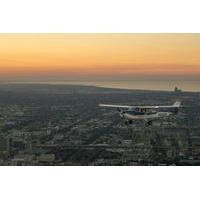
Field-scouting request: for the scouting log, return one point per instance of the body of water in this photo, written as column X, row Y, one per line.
column 148, row 85
column 141, row 85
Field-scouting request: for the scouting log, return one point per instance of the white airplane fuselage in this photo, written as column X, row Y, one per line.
column 146, row 117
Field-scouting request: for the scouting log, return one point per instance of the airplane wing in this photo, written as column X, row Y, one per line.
column 175, row 105
column 114, row 106
column 126, row 106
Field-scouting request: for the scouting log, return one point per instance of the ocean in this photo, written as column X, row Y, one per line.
column 145, row 85
column 141, row 85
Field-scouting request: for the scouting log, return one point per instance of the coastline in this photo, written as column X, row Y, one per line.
column 103, row 84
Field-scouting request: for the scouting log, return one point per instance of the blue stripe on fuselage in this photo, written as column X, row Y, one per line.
column 133, row 112
column 173, row 110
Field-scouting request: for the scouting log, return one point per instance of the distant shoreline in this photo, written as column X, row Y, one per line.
column 98, row 84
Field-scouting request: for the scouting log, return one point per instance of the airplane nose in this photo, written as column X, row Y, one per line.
column 122, row 114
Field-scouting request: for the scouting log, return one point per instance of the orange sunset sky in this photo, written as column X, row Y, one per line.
column 77, row 56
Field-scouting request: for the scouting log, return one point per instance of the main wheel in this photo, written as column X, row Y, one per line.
column 149, row 123
column 130, row 121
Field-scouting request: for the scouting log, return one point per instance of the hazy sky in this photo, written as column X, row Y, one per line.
column 98, row 56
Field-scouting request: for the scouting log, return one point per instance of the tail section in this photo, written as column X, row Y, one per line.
column 175, row 107
column 177, row 104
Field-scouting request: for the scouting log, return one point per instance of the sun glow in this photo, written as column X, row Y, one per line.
column 76, row 55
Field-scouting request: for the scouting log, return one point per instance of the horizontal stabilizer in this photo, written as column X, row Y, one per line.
column 177, row 104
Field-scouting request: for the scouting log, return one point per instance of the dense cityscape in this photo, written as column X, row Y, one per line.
column 62, row 125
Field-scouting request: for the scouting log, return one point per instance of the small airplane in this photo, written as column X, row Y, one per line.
column 146, row 113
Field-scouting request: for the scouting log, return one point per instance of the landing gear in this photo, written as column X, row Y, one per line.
column 149, row 123
column 128, row 122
